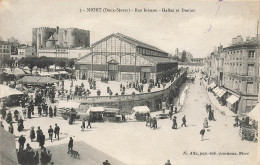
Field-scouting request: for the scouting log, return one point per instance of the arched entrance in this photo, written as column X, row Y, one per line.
column 113, row 70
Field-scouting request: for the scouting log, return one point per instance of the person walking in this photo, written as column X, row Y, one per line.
column 42, row 140
column 184, row 121
column 50, row 112
column 20, row 124
column 21, row 141
column 50, row 131
column 154, row 123
column 89, row 123
column 202, row 132
column 83, row 125
column 39, row 110
column 55, row 111
column 11, row 128
column 38, row 132
column 174, row 123
column 70, row 145
column 57, row 131
column 205, row 123
column 32, row 134
column 9, row 118
column 147, row 119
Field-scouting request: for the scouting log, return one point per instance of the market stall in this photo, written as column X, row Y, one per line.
column 95, row 113
column 112, row 115
column 140, row 112
column 9, row 95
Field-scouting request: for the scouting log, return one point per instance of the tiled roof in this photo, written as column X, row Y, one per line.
column 130, row 40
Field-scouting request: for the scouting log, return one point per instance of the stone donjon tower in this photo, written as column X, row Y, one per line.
column 40, row 36
column 60, row 37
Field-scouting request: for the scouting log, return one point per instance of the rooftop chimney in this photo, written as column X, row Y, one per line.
column 57, row 29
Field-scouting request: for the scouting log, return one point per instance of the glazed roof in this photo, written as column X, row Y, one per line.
column 131, row 41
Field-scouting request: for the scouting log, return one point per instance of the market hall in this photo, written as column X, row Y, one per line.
column 118, row 57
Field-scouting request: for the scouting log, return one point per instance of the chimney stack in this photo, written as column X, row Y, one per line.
column 57, row 29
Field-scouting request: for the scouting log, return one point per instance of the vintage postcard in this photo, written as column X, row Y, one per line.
column 128, row 82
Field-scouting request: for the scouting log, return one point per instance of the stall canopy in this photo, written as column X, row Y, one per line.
column 141, row 109
column 221, row 92
column 232, row 99
column 63, row 72
column 37, row 80
column 212, row 85
column 216, row 90
column 44, row 74
column 254, row 113
column 68, row 104
column 6, row 91
column 96, row 109
column 112, row 110
column 15, row 71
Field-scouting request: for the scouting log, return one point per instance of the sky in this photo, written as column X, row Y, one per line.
column 214, row 22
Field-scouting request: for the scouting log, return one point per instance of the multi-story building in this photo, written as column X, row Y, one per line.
column 70, row 53
column 241, row 74
column 5, row 52
column 121, row 58
column 26, row 51
column 45, row 37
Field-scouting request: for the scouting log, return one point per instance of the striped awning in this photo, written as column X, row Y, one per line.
column 232, row 99
column 216, row 90
column 221, row 92
column 212, row 85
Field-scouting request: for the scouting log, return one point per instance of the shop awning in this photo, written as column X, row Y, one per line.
column 221, row 92
column 216, row 90
column 111, row 110
column 232, row 99
column 212, row 85
column 141, row 109
column 254, row 113
column 96, row 109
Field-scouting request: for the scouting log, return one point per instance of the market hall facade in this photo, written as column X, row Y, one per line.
column 122, row 58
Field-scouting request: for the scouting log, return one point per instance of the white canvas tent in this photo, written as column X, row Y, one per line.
column 141, row 109
column 68, row 104
column 254, row 113
column 95, row 109
column 6, row 91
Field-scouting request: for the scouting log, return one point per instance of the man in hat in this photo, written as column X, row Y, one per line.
column 50, row 131
column 21, row 141
column 32, row 134
column 174, row 123
column 57, row 131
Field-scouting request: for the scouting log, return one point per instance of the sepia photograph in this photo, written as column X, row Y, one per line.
column 129, row 82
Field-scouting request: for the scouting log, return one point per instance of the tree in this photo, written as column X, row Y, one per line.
column 183, row 56
column 14, row 44
column 175, row 57
column 30, row 62
column 8, row 62
column 71, row 62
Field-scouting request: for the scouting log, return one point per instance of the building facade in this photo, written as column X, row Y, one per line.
column 241, row 74
column 45, row 37
column 122, row 58
column 5, row 52
column 69, row 53
column 26, row 51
